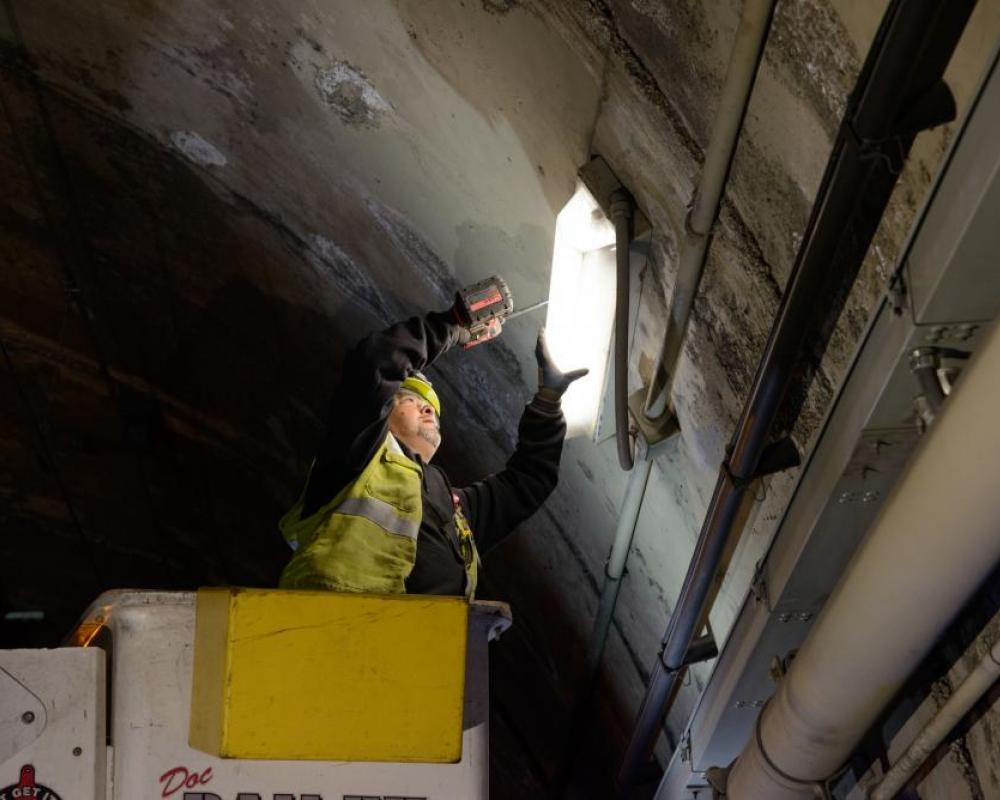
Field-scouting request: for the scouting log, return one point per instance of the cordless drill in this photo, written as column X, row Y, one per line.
column 482, row 308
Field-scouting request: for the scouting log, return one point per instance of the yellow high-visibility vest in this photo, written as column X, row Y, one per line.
column 365, row 538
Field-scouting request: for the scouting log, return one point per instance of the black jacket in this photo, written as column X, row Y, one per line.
column 359, row 421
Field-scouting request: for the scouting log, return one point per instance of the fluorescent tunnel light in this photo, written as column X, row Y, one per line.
column 581, row 306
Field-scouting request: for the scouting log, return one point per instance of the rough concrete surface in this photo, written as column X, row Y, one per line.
column 206, row 203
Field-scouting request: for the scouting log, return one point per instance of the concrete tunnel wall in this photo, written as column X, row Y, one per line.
column 206, row 202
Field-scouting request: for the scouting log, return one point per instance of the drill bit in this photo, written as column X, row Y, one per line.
column 526, row 309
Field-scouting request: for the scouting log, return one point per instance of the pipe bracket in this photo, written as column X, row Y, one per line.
column 666, row 667
column 653, row 431
column 935, row 106
column 778, row 456
column 891, row 150
column 735, row 480
column 701, row 649
column 820, row 788
column 689, row 227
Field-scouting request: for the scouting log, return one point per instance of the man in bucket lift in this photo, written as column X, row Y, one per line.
column 376, row 515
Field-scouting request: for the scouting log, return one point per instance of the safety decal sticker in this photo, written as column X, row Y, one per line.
column 27, row 788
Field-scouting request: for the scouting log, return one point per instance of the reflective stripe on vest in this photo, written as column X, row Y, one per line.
column 365, row 538
column 381, row 513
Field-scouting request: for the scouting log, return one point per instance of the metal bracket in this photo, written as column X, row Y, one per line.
column 684, row 745
column 759, row 585
column 717, row 779
column 934, row 107
column 656, row 430
column 926, row 366
column 777, row 457
column 897, row 292
column 780, row 665
column 703, row 648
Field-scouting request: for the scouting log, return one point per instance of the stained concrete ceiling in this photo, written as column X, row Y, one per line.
column 205, row 203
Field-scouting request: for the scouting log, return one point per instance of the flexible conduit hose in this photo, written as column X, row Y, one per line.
column 621, row 207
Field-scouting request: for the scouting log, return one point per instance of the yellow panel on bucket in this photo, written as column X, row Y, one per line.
column 321, row 675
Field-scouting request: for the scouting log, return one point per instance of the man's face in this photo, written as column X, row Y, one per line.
column 414, row 422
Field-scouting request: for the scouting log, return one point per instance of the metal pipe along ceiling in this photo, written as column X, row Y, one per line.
column 940, row 528
column 744, row 63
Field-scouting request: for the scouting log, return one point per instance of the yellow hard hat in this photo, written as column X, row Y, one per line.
column 418, row 384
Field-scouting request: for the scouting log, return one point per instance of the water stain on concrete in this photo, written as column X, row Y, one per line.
column 349, row 92
column 429, row 266
column 198, row 149
column 344, row 275
column 499, row 7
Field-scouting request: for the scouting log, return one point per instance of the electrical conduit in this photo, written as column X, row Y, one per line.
column 976, row 684
column 744, row 62
column 628, row 517
column 621, row 208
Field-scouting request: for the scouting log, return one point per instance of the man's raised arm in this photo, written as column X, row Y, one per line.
column 496, row 505
column 359, row 413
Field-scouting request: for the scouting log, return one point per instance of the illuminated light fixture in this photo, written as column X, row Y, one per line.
column 581, row 308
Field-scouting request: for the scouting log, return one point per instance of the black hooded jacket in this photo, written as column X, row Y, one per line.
column 359, row 421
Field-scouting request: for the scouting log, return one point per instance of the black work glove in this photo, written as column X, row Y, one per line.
column 457, row 315
column 552, row 381
column 470, row 334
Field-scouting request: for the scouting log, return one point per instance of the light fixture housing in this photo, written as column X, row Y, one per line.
column 581, row 306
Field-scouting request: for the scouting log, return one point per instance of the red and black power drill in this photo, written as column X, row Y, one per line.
column 483, row 307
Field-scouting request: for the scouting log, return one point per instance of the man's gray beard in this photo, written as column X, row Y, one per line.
column 431, row 436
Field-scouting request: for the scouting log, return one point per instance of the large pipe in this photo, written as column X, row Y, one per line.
column 744, row 62
column 940, row 527
column 622, row 212
column 976, row 684
column 903, row 68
